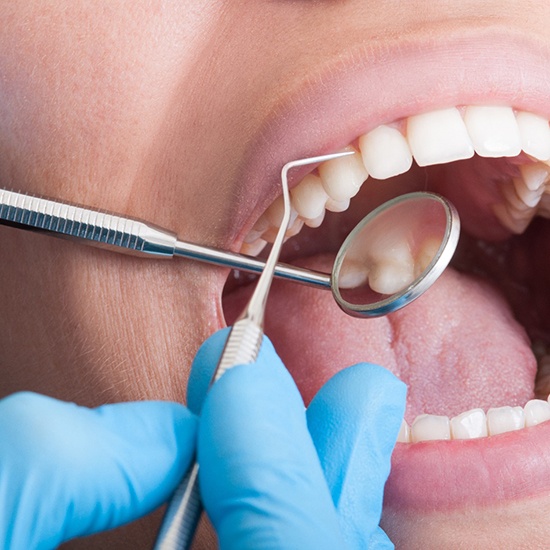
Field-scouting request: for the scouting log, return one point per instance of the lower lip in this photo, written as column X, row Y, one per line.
column 448, row 475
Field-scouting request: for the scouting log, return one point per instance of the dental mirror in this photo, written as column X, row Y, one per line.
column 395, row 254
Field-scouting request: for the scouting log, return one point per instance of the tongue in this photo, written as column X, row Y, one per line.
column 457, row 347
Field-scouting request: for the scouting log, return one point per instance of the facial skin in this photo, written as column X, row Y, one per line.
column 164, row 110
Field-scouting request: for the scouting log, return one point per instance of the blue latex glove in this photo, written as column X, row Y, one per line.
column 67, row 471
column 261, row 479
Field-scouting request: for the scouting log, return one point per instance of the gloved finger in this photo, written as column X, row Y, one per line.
column 260, row 477
column 68, row 471
column 203, row 368
column 354, row 421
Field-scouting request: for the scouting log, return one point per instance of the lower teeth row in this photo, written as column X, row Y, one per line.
column 475, row 424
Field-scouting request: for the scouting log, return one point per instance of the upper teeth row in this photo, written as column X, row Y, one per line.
column 435, row 137
column 475, row 423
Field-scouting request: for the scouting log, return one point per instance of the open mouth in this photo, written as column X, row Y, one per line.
column 473, row 349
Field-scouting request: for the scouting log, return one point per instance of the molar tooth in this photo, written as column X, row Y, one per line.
column 309, row 197
column 404, row 435
column 513, row 222
column 438, row 137
column 429, row 427
column 469, row 425
column 505, row 419
column 493, row 130
column 352, row 274
column 509, row 193
column 391, row 269
column 385, row 152
column 535, row 135
column 536, row 411
column 336, row 206
column 342, row 177
column 534, row 175
column 426, row 254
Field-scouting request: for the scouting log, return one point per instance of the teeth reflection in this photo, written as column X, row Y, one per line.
column 493, row 130
column 426, row 254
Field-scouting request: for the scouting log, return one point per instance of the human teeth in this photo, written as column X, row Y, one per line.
column 309, row 197
column 469, row 425
column 426, row 254
column 528, row 197
column 385, row 152
column 534, row 175
column 315, row 222
column 505, row 419
column 493, row 130
column 438, row 137
column 535, row 135
column 337, row 206
column 253, row 248
column 391, row 269
column 352, row 274
column 429, row 427
column 404, row 435
column 536, row 412
column 342, row 177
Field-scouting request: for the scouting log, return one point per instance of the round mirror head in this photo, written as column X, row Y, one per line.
column 395, row 254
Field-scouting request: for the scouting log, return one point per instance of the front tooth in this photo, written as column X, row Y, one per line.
column 404, row 435
column 493, row 130
column 342, row 177
column 429, row 427
column 337, row 206
column 505, row 419
column 438, row 137
column 469, row 425
column 536, row 412
column 309, row 197
column 316, row 222
column 385, row 152
column 535, row 135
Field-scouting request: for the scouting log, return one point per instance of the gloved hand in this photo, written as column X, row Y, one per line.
column 261, row 477
column 67, row 470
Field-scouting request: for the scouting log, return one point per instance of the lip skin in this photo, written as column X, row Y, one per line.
column 376, row 84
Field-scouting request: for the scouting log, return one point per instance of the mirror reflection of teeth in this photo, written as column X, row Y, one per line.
column 435, row 137
column 475, row 424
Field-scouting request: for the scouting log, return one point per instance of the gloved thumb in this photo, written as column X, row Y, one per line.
column 354, row 420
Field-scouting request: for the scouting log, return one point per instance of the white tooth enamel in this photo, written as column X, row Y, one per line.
column 493, row 130
column 316, row 222
column 429, row 427
column 438, row 137
column 509, row 193
column 352, row 274
column 536, row 411
column 404, row 435
column 295, row 228
column 469, row 425
column 385, row 152
column 535, row 135
column 426, row 254
column 309, row 197
column 391, row 269
column 528, row 197
column 253, row 248
column 505, row 419
column 534, row 175
column 509, row 218
column 337, row 206
column 342, row 177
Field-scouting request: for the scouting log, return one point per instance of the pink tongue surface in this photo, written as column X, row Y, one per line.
column 457, row 347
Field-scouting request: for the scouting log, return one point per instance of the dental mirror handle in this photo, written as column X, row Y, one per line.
column 130, row 236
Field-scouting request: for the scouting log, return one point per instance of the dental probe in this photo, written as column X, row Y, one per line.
column 132, row 236
column 242, row 347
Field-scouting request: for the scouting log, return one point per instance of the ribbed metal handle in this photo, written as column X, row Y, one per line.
column 99, row 228
column 184, row 510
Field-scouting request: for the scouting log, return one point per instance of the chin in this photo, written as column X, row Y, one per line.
column 465, row 116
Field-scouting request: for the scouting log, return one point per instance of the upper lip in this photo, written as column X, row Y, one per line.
column 366, row 86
